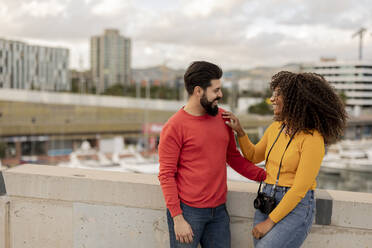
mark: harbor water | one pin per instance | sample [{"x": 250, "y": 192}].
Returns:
[{"x": 346, "y": 180}]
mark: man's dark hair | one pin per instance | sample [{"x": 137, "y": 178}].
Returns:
[
  {"x": 310, "y": 102},
  {"x": 200, "y": 73}
]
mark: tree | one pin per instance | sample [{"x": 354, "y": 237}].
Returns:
[
  {"x": 75, "y": 85},
  {"x": 3, "y": 148},
  {"x": 156, "y": 92},
  {"x": 114, "y": 90},
  {"x": 262, "y": 108},
  {"x": 343, "y": 97}
]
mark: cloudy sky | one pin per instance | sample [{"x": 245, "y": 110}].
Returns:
[{"x": 233, "y": 33}]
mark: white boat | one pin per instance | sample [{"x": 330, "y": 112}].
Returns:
[
  {"x": 348, "y": 156},
  {"x": 88, "y": 158}
]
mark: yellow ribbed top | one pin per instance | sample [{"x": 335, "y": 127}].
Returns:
[{"x": 300, "y": 166}]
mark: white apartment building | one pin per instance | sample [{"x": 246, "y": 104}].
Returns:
[
  {"x": 24, "y": 66},
  {"x": 110, "y": 56},
  {"x": 353, "y": 78}
]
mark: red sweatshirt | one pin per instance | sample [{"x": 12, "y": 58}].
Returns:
[{"x": 193, "y": 152}]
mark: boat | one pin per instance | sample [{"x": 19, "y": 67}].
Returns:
[{"x": 348, "y": 155}]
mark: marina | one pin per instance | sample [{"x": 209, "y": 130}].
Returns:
[{"x": 347, "y": 165}]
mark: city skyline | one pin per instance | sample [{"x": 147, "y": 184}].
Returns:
[
  {"x": 25, "y": 66},
  {"x": 110, "y": 59},
  {"x": 234, "y": 34}
]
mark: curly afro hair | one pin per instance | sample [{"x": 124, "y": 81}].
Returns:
[{"x": 310, "y": 103}]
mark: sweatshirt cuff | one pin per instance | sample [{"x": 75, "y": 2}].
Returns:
[
  {"x": 175, "y": 210},
  {"x": 274, "y": 218}
]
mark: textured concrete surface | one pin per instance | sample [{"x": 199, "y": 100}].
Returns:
[
  {"x": 3, "y": 221},
  {"x": 340, "y": 237},
  {"x": 82, "y": 185},
  {"x": 64, "y": 207},
  {"x": 97, "y": 226},
  {"x": 3, "y": 217},
  {"x": 40, "y": 223}
]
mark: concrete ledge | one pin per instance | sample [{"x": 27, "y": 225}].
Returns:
[
  {"x": 64, "y": 207},
  {"x": 350, "y": 209},
  {"x": 40, "y": 223},
  {"x": 83, "y": 185},
  {"x": 340, "y": 237},
  {"x": 3, "y": 221},
  {"x": 3, "y": 212},
  {"x": 2, "y": 183}
]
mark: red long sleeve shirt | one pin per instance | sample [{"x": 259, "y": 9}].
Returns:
[{"x": 193, "y": 152}]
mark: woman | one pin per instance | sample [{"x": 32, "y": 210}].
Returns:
[{"x": 308, "y": 115}]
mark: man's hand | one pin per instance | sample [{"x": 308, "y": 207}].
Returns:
[
  {"x": 233, "y": 122},
  {"x": 262, "y": 228},
  {"x": 182, "y": 230}
]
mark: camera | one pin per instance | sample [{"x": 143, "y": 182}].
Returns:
[{"x": 264, "y": 203}]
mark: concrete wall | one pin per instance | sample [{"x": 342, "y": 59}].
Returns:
[{"x": 48, "y": 206}]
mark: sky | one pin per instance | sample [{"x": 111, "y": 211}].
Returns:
[{"x": 235, "y": 34}]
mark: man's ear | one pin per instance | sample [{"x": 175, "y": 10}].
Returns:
[{"x": 198, "y": 91}]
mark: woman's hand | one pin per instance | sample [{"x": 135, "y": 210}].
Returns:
[
  {"x": 262, "y": 228},
  {"x": 233, "y": 122}
]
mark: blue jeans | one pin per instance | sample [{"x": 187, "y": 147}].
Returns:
[
  {"x": 292, "y": 230},
  {"x": 211, "y": 227}
]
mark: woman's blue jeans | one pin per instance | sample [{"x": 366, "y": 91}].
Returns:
[{"x": 293, "y": 229}]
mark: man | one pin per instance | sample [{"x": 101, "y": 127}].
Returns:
[{"x": 195, "y": 145}]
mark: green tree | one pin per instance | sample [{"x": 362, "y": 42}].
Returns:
[
  {"x": 75, "y": 85},
  {"x": 3, "y": 147},
  {"x": 343, "y": 96},
  {"x": 156, "y": 92},
  {"x": 115, "y": 90},
  {"x": 261, "y": 108}
]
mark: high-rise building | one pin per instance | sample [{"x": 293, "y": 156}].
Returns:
[
  {"x": 353, "y": 78},
  {"x": 110, "y": 56},
  {"x": 24, "y": 66}
]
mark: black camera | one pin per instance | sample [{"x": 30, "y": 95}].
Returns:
[{"x": 264, "y": 203}]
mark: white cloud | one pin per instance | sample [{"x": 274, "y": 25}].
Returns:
[
  {"x": 109, "y": 7},
  {"x": 4, "y": 11},
  {"x": 233, "y": 33},
  {"x": 204, "y": 8},
  {"x": 43, "y": 9}
]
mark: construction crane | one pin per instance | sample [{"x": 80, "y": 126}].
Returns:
[{"x": 360, "y": 33}]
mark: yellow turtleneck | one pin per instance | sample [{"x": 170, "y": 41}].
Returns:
[{"x": 300, "y": 166}]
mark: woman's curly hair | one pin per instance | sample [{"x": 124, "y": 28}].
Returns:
[{"x": 310, "y": 103}]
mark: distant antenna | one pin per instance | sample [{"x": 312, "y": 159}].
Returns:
[{"x": 360, "y": 33}]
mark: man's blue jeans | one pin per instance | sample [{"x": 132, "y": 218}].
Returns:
[{"x": 211, "y": 227}]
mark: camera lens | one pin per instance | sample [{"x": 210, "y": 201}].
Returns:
[{"x": 257, "y": 203}]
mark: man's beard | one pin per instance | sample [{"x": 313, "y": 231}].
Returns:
[{"x": 213, "y": 111}]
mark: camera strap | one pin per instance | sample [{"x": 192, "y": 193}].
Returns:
[
  {"x": 281, "y": 160},
  {"x": 268, "y": 154},
  {"x": 280, "y": 166}
]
